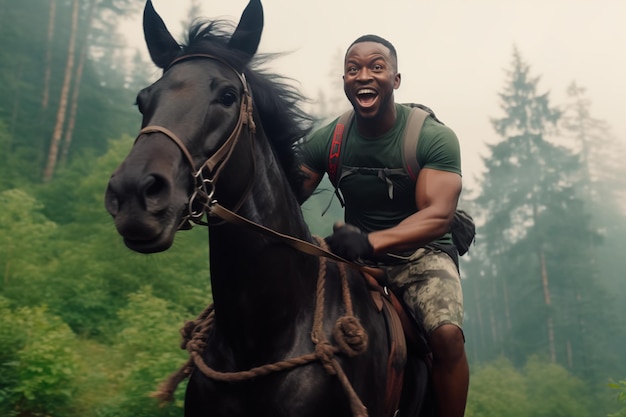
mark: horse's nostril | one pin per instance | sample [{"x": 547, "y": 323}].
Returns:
[
  {"x": 111, "y": 202},
  {"x": 156, "y": 192},
  {"x": 152, "y": 186}
]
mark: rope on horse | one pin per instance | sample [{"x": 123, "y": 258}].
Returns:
[{"x": 348, "y": 333}]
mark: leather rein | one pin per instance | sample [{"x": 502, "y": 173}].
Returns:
[{"x": 205, "y": 176}]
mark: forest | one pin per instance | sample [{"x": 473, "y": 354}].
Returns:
[{"x": 90, "y": 328}]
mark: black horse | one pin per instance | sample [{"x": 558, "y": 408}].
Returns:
[{"x": 271, "y": 345}]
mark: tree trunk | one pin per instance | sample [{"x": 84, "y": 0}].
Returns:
[
  {"x": 69, "y": 132},
  {"x": 45, "y": 99},
  {"x": 547, "y": 300},
  {"x": 63, "y": 102},
  {"x": 479, "y": 321},
  {"x": 15, "y": 111}
]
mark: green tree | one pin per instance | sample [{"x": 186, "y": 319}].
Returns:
[
  {"x": 557, "y": 393},
  {"x": 25, "y": 232},
  {"x": 540, "y": 388},
  {"x": 37, "y": 362},
  {"x": 497, "y": 389},
  {"x": 603, "y": 182},
  {"x": 44, "y": 100},
  {"x": 529, "y": 285},
  {"x": 97, "y": 271},
  {"x": 602, "y": 185},
  {"x": 144, "y": 364}
]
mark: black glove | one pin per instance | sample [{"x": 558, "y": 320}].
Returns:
[{"x": 349, "y": 242}]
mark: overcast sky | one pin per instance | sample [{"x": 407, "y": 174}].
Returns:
[{"x": 452, "y": 53}]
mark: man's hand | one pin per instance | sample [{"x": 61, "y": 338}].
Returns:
[{"x": 349, "y": 242}]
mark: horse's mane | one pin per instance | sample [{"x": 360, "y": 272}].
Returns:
[{"x": 278, "y": 103}]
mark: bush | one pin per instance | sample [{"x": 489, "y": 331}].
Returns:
[{"x": 37, "y": 361}]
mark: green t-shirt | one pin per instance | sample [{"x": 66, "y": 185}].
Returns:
[{"x": 377, "y": 196}]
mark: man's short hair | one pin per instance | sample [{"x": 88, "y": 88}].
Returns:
[{"x": 377, "y": 39}]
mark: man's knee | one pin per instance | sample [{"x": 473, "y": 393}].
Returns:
[{"x": 447, "y": 343}]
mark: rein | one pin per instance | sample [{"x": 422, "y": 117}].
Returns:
[
  {"x": 204, "y": 188},
  {"x": 348, "y": 333}
]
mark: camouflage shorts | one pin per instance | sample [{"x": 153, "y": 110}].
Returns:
[{"x": 430, "y": 284}]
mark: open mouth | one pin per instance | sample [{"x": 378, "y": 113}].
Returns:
[{"x": 366, "y": 97}]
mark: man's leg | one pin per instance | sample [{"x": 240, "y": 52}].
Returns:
[
  {"x": 431, "y": 285},
  {"x": 450, "y": 370}
]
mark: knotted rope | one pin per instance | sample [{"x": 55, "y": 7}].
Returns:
[{"x": 348, "y": 333}]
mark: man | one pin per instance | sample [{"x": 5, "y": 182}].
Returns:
[{"x": 391, "y": 217}]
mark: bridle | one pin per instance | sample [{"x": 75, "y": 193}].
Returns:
[{"x": 205, "y": 176}]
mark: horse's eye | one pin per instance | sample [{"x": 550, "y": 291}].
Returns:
[
  {"x": 228, "y": 98},
  {"x": 139, "y": 103}
]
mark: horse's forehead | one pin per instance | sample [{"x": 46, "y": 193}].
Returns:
[{"x": 201, "y": 70}]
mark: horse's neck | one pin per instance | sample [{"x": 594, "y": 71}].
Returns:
[{"x": 259, "y": 283}]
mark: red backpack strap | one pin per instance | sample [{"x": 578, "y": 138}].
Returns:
[
  {"x": 412, "y": 131},
  {"x": 343, "y": 124}
]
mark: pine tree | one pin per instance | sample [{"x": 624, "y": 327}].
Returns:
[
  {"x": 603, "y": 187},
  {"x": 530, "y": 269},
  {"x": 601, "y": 153}
]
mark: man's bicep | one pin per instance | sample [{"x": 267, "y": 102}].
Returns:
[{"x": 438, "y": 190}]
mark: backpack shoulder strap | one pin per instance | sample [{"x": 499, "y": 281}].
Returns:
[
  {"x": 411, "y": 135},
  {"x": 412, "y": 131},
  {"x": 334, "y": 155}
]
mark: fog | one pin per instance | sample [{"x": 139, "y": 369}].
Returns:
[{"x": 453, "y": 55}]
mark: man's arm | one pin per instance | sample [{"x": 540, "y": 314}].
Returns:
[
  {"x": 437, "y": 194},
  {"x": 310, "y": 183}
]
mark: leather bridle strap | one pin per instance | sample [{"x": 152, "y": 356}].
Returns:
[
  {"x": 299, "y": 244},
  {"x": 218, "y": 158},
  {"x": 173, "y": 137},
  {"x": 224, "y": 151}
]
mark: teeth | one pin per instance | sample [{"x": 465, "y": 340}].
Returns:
[{"x": 366, "y": 91}]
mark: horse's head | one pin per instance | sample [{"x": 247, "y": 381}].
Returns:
[{"x": 193, "y": 117}]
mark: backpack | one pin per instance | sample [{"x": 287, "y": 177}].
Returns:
[{"x": 462, "y": 227}]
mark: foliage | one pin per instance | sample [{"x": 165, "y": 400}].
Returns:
[
  {"x": 539, "y": 389},
  {"x": 603, "y": 181},
  {"x": 25, "y": 234},
  {"x": 620, "y": 387},
  {"x": 142, "y": 362},
  {"x": 497, "y": 389},
  {"x": 90, "y": 328},
  {"x": 33, "y": 67},
  {"x": 37, "y": 362},
  {"x": 75, "y": 276},
  {"x": 563, "y": 394},
  {"x": 528, "y": 282}
]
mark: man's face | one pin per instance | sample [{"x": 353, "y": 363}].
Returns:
[{"x": 370, "y": 76}]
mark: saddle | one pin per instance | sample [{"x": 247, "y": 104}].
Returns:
[{"x": 404, "y": 332}]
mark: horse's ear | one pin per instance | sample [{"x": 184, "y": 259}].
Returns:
[
  {"x": 162, "y": 46},
  {"x": 247, "y": 36}
]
